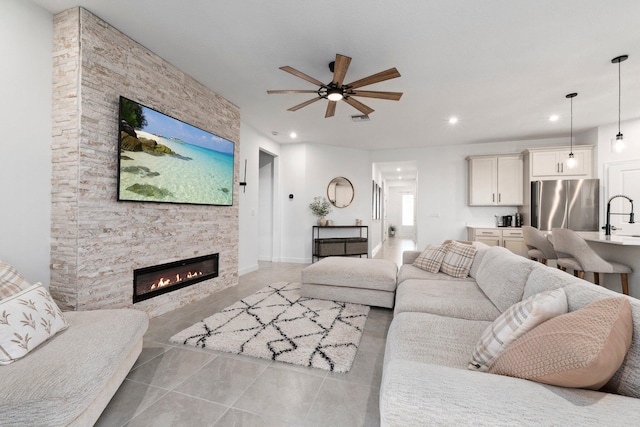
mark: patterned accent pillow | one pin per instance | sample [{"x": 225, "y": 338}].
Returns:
[
  {"x": 517, "y": 320},
  {"x": 431, "y": 258},
  {"x": 458, "y": 259},
  {"x": 27, "y": 319},
  {"x": 581, "y": 349},
  {"x": 11, "y": 282}
]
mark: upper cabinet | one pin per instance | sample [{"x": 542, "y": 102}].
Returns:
[
  {"x": 496, "y": 180},
  {"x": 551, "y": 163}
]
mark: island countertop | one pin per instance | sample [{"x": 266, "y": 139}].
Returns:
[{"x": 614, "y": 239}]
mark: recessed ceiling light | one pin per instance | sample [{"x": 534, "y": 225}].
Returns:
[
  {"x": 398, "y": 170},
  {"x": 399, "y": 177},
  {"x": 554, "y": 118},
  {"x": 453, "y": 120},
  {"x": 293, "y": 135}
]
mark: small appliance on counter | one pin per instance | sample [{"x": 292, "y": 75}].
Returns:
[{"x": 518, "y": 220}]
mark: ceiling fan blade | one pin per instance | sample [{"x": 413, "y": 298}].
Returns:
[
  {"x": 304, "y": 104},
  {"x": 358, "y": 105},
  {"x": 302, "y": 75},
  {"x": 392, "y": 96},
  {"x": 331, "y": 109},
  {"x": 271, "y": 92},
  {"x": 391, "y": 73},
  {"x": 340, "y": 68}
]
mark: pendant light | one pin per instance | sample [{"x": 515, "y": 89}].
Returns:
[
  {"x": 571, "y": 163},
  {"x": 618, "y": 145}
]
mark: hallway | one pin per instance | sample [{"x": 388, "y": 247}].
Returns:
[{"x": 393, "y": 247}]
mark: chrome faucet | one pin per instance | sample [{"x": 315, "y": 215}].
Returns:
[{"x": 607, "y": 227}]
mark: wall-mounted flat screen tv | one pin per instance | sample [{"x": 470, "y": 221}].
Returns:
[{"x": 162, "y": 159}]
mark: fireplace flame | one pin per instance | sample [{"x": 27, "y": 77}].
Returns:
[{"x": 166, "y": 282}]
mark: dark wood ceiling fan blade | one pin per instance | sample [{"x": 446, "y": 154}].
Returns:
[
  {"x": 392, "y": 96},
  {"x": 340, "y": 68},
  {"x": 331, "y": 109},
  {"x": 304, "y": 104},
  {"x": 271, "y": 92},
  {"x": 391, "y": 73},
  {"x": 302, "y": 75},
  {"x": 358, "y": 105}
]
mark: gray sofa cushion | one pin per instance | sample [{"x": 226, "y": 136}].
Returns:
[
  {"x": 59, "y": 380},
  {"x": 454, "y": 298},
  {"x": 408, "y": 272},
  {"x": 626, "y": 380},
  {"x": 502, "y": 276},
  {"x": 425, "y": 394},
  {"x": 547, "y": 279},
  {"x": 482, "y": 250},
  {"x": 378, "y": 274},
  {"x": 428, "y": 338}
]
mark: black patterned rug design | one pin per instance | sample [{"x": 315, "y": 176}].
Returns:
[{"x": 276, "y": 323}]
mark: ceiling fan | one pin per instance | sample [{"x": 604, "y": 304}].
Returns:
[{"x": 336, "y": 90}]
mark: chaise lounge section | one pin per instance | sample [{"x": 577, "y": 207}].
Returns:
[{"x": 438, "y": 322}]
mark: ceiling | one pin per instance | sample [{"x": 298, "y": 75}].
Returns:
[{"x": 501, "y": 66}]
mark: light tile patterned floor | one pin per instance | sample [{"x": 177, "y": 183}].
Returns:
[{"x": 173, "y": 385}]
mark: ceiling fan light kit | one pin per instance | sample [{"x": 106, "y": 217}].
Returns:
[{"x": 336, "y": 91}]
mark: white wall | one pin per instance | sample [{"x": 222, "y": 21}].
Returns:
[
  {"x": 251, "y": 142},
  {"x": 26, "y": 39}
]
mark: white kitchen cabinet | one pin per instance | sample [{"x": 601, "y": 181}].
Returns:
[
  {"x": 496, "y": 180},
  {"x": 510, "y": 238},
  {"x": 552, "y": 163}
]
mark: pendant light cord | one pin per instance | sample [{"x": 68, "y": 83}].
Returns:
[
  {"x": 619, "y": 96},
  {"x": 571, "y": 96}
]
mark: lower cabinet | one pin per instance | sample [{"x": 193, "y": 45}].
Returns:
[{"x": 510, "y": 238}]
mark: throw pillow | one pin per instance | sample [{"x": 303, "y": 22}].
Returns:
[
  {"x": 581, "y": 349},
  {"x": 431, "y": 258},
  {"x": 27, "y": 319},
  {"x": 517, "y": 320},
  {"x": 458, "y": 259},
  {"x": 11, "y": 282}
]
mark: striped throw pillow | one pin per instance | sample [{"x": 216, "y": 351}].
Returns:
[
  {"x": 517, "y": 320},
  {"x": 11, "y": 282},
  {"x": 431, "y": 258},
  {"x": 458, "y": 259}
]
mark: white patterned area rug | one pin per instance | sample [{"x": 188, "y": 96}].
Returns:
[{"x": 276, "y": 323}]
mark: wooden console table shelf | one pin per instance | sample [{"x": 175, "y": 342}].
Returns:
[{"x": 339, "y": 246}]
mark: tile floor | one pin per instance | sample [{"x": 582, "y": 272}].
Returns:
[{"x": 174, "y": 385}]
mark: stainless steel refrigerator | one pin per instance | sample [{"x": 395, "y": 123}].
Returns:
[{"x": 570, "y": 203}]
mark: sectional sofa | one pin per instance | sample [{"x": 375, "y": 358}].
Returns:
[
  {"x": 438, "y": 322},
  {"x": 69, "y": 378}
]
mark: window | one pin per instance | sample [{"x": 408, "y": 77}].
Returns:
[{"x": 407, "y": 209}]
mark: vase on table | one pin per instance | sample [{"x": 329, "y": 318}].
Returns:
[{"x": 322, "y": 221}]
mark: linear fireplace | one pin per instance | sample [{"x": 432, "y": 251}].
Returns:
[{"x": 156, "y": 280}]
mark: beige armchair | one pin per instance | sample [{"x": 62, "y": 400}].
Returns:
[
  {"x": 585, "y": 259},
  {"x": 539, "y": 246}
]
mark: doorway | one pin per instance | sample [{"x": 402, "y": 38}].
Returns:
[{"x": 265, "y": 206}]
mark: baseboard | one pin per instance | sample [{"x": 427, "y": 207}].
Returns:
[{"x": 246, "y": 270}]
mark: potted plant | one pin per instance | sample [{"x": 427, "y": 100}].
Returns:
[
  {"x": 320, "y": 207},
  {"x": 392, "y": 231}
]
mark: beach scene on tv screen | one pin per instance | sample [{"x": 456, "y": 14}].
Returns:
[{"x": 163, "y": 159}]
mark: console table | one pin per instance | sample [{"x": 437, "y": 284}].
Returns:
[{"x": 340, "y": 246}]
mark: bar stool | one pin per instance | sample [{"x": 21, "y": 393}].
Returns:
[
  {"x": 540, "y": 248},
  {"x": 586, "y": 259}
]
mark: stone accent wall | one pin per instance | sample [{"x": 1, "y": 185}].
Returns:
[{"x": 97, "y": 241}]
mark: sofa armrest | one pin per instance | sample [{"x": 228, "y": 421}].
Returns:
[
  {"x": 423, "y": 394},
  {"x": 409, "y": 256}
]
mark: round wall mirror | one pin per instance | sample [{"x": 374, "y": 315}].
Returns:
[{"x": 340, "y": 192}]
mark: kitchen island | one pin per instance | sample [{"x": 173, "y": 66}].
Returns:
[{"x": 621, "y": 248}]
